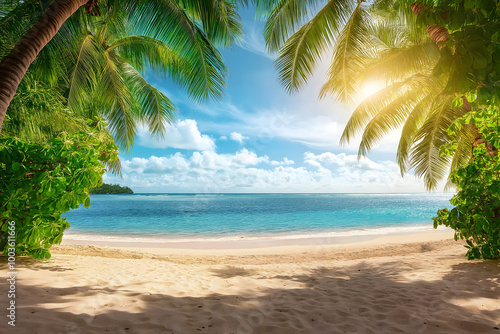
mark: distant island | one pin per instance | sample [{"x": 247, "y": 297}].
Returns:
[{"x": 110, "y": 189}]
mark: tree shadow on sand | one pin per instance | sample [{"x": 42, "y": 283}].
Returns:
[{"x": 361, "y": 298}]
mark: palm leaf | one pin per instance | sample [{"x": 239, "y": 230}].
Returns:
[
  {"x": 156, "y": 109},
  {"x": 145, "y": 52},
  {"x": 85, "y": 73},
  {"x": 168, "y": 22},
  {"x": 301, "y": 52},
  {"x": 286, "y": 16},
  {"x": 118, "y": 105},
  {"x": 389, "y": 118},
  {"x": 425, "y": 157},
  {"x": 349, "y": 59},
  {"x": 463, "y": 153},
  {"x": 399, "y": 63},
  {"x": 413, "y": 122},
  {"x": 371, "y": 106},
  {"x": 219, "y": 18}
]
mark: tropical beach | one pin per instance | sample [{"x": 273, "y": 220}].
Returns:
[
  {"x": 249, "y": 166},
  {"x": 400, "y": 284}
]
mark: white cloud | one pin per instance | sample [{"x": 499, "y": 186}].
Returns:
[
  {"x": 285, "y": 162},
  {"x": 223, "y": 138},
  {"x": 199, "y": 162},
  {"x": 183, "y": 134},
  {"x": 245, "y": 171},
  {"x": 238, "y": 137},
  {"x": 254, "y": 42},
  {"x": 343, "y": 160}
]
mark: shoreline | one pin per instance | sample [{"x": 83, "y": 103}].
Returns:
[{"x": 255, "y": 246}]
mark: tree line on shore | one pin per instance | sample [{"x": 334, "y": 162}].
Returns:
[{"x": 110, "y": 189}]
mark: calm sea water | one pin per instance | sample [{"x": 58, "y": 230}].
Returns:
[{"x": 182, "y": 216}]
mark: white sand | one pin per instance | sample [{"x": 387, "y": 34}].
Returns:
[{"x": 384, "y": 285}]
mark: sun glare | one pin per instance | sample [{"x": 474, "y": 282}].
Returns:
[{"x": 369, "y": 88}]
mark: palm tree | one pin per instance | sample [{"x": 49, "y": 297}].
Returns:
[
  {"x": 104, "y": 63},
  {"x": 385, "y": 49},
  {"x": 177, "y": 37},
  {"x": 413, "y": 100}
]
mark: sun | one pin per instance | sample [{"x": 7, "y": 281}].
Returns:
[{"x": 369, "y": 88}]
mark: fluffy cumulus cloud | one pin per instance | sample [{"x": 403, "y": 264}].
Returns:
[
  {"x": 198, "y": 163},
  {"x": 344, "y": 161},
  {"x": 238, "y": 137},
  {"x": 245, "y": 171},
  {"x": 183, "y": 134}
]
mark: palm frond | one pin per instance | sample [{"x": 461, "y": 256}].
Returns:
[
  {"x": 463, "y": 152},
  {"x": 389, "y": 118},
  {"x": 367, "y": 109},
  {"x": 371, "y": 106},
  {"x": 398, "y": 63},
  {"x": 395, "y": 11},
  {"x": 286, "y": 16},
  {"x": 425, "y": 157},
  {"x": 18, "y": 17},
  {"x": 299, "y": 55},
  {"x": 115, "y": 167},
  {"x": 46, "y": 67},
  {"x": 219, "y": 18},
  {"x": 171, "y": 24},
  {"x": 156, "y": 109},
  {"x": 144, "y": 52},
  {"x": 350, "y": 57},
  {"x": 116, "y": 102},
  {"x": 413, "y": 122},
  {"x": 85, "y": 72},
  {"x": 262, "y": 7}
]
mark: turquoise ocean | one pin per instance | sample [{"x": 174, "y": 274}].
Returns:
[{"x": 188, "y": 217}]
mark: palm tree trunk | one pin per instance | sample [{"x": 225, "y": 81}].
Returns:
[{"x": 14, "y": 66}]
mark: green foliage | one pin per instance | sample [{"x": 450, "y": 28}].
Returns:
[
  {"x": 38, "y": 112},
  {"x": 471, "y": 55},
  {"x": 39, "y": 182},
  {"x": 476, "y": 216},
  {"x": 111, "y": 189},
  {"x": 97, "y": 63},
  {"x": 373, "y": 43}
]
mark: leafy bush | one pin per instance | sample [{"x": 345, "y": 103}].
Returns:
[
  {"x": 476, "y": 215},
  {"x": 39, "y": 182}
]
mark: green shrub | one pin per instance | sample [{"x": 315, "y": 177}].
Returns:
[
  {"x": 476, "y": 216},
  {"x": 39, "y": 182}
]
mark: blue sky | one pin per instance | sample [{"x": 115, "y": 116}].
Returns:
[{"x": 258, "y": 138}]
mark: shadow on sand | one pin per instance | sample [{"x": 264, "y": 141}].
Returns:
[{"x": 361, "y": 298}]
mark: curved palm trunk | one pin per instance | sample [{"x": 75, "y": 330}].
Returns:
[{"x": 14, "y": 66}]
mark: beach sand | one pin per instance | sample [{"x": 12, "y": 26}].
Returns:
[{"x": 418, "y": 283}]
